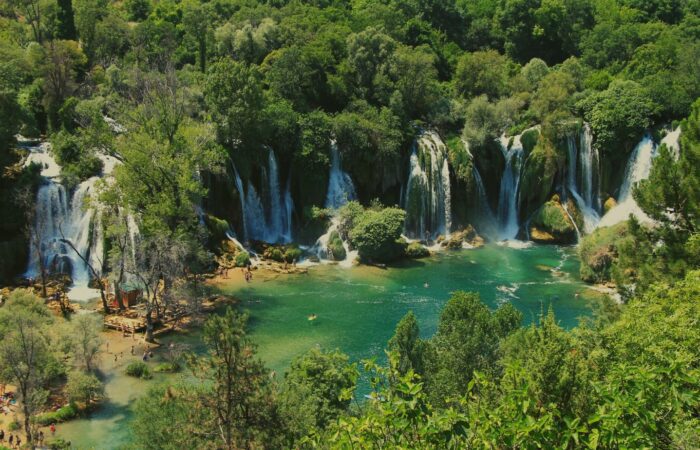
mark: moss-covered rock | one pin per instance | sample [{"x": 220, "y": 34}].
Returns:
[
  {"x": 336, "y": 247},
  {"x": 416, "y": 250},
  {"x": 599, "y": 252},
  {"x": 538, "y": 176},
  {"x": 552, "y": 225},
  {"x": 458, "y": 239}
]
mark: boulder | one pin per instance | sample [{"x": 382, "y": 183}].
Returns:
[
  {"x": 468, "y": 237},
  {"x": 552, "y": 224}
]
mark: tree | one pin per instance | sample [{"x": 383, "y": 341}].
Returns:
[
  {"x": 482, "y": 73},
  {"x": 25, "y": 352},
  {"x": 368, "y": 53},
  {"x": 85, "y": 340},
  {"x": 234, "y": 93},
  {"x": 407, "y": 345},
  {"x": 88, "y": 13},
  {"x": 63, "y": 61},
  {"x": 240, "y": 398},
  {"x": 31, "y": 12},
  {"x": 197, "y": 18},
  {"x": 323, "y": 382},
  {"x": 467, "y": 341},
  {"x": 619, "y": 115},
  {"x": 84, "y": 388}
]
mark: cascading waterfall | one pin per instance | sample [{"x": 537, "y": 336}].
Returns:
[
  {"x": 582, "y": 154},
  {"x": 428, "y": 198},
  {"x": 264, "y": 217},
  {"x": 482, "y": 200},
  {"x": 275, "y": 215},
  {"x": 638, "y": 167},
  {"x": 57, "y": 218},
  {"x": 510, "y": 182},
  {"x": 340, "y": 186}
]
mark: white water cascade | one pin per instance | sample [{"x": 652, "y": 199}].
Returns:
[
  {"x": 340, "y": 187},
  {"x": 510, "y": 183},
  {"x": 428, "y": 201},
  {"x": 268, "y": 217},
  {"x": 483, "y": 204},
  {"x": 582, "y": 177},
  {"x": 57, "y": 218},
  {"x": 638, "y": 167},
  {"x": 322, "y": 251}
]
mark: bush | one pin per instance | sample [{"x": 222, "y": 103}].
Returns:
[
  {"x": 138, "y": 369},
  {"x": 292, "y": 254},
  {"x": 14, "y": 426},
  {"x": 63, "y": 414},
  {"x": 60, "y": 444},
  {"x": 242, "y": 259},
  {"x": 377, "y": 235},
  {"x": 416, "y": 250},
  {"x": 274, "y": 253}
]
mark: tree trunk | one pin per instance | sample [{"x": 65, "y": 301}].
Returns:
[{"x": 149, "y": 325}]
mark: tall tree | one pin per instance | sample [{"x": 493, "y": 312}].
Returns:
[{"x": 25, "y": 352}]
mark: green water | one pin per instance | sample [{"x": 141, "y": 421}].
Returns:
[{"x": 357, "y": 311}]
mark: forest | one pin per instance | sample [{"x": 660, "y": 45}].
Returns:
[{"x": 151, "y": 146}]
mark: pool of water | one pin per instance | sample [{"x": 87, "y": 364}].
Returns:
[{"x": 357, "y": 310}]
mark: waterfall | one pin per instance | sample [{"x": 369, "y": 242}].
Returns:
[
  {"x": 638, "y": 167},
  {"x": 323, "y": 252},
  {"x": 427, "y": 198},
  {"x": 340, "y": 187},
  {"x": 482, "y": 198},
  {"x": 241, "y": 196},
  {"x": 510, "y": 182},
  {"x": 288, "y": 210},
  {"x": 57, "y": 218},
  {"x": 267, "y": 217},
  {"x": 587, "y": 198},
  {"x": 275, "y": 215},
  {"x": 255, "y": 215}
]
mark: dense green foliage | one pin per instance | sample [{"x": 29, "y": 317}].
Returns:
[
  {"x": 184, "y": 93},
  {"x": 376, "y": 234}
]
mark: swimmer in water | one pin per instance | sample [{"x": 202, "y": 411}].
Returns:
[{"x": 426, "y": 285}]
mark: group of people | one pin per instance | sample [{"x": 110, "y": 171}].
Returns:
[{"x": 15, "y": 441}]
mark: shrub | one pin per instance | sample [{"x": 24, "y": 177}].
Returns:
[
  {"x": 292, "y": 254},
  {"x": 138, "y": 369},
  {"x": 14, "y": 426},
  {"x": 599, "y": 252},
  {"x": 242, "y": 259},
  {"x": 168, "y": 367},
  {"x": 416, "y": 250},
  {"x": 274, "y": 254},
  {"x": 63, "y": 414}
]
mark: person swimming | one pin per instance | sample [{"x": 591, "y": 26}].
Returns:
[
  {"x": 426, "y": 285},
  {"x": 312, "y": 317}
]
